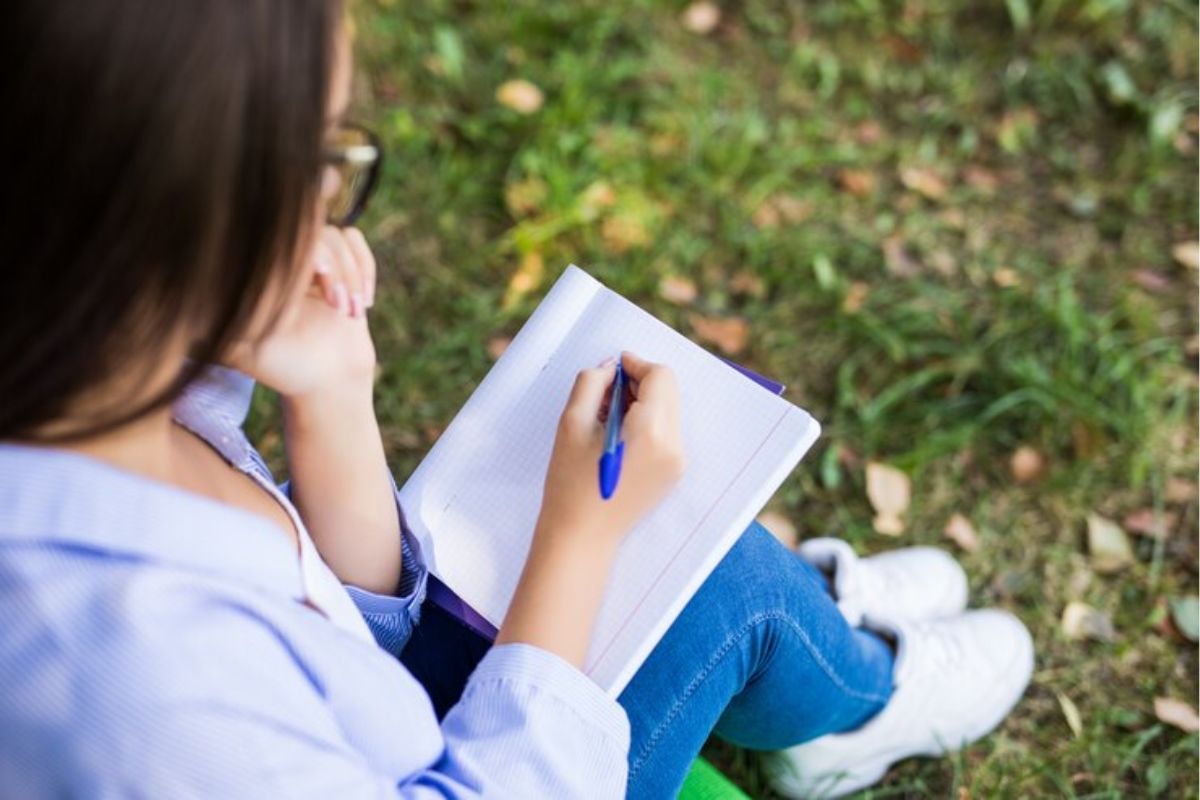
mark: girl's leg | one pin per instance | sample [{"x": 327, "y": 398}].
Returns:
[{"x": 762, "y": 656}]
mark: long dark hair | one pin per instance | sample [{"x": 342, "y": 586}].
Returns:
[{"x": 162, "y": 161}]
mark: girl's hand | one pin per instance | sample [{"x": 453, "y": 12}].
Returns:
[
  {"x": 652, "y": 462},
  {"x": 323, "y": 345}
]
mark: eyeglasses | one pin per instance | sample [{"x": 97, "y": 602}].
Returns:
[{"x": 356, "y": 154}]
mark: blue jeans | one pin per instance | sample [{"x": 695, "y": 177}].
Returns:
[{"x": 761, "y": 656}]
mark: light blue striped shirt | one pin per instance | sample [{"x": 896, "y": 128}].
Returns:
[{"x": 153, "y": 645}]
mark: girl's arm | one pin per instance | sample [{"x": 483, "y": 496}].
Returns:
[
  {"x": 577, "y": 533},
  {"x": 341, "y": 486},
  {"x": 320, "y": 359}
]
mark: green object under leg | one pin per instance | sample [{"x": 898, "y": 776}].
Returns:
[{"x": 705, "y": 782}]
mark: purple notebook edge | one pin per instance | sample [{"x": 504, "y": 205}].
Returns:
[{"x": 445, "y": 597}]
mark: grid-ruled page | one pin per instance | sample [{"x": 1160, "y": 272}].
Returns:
[{"x": 741, "y": 441}]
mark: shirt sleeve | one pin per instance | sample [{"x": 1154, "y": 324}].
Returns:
[
  {"x": 536, "y": 726},
  {"x": 391, "y": 617},
  {"x": 230, "y": 711}
]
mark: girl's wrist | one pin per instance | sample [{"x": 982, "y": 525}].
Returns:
[
  {"x": 341, "y": 407},
  {"x": 574, "y": 541}
]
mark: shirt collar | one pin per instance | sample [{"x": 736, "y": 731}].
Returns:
[{"x": 214, "y": 406}]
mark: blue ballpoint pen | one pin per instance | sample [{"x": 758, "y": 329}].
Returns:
[{"x": 610, "y": 461}]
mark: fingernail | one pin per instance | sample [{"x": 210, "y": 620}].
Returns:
[
  {"x": 607, "y": 361},
  {"x": 339, "y": 291},
  {"x": 356, "y": 305}
]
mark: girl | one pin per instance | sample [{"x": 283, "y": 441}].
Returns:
[{"x": 175, "y": 226}]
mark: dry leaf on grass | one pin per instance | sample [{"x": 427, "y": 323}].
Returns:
[
  {"x": 1108, "y": 545},
  {"x": 1080, "y": 621},
  {"x": 1179, "y": 490},
  {"x": 856, "y": 295},
  {"x": 766, "y": 216},
  {"x": 496, "y": 346},
  {"x": 729, "y": 334},
  {"x": 1187, "y": 254},
  {"x": 857, "y": 182},
  {"x": 960, "y": 531},
  {"x": 923, "y": 181},
  {"x": 1006, "y": 278},
  {"x": 780, "y": 527},
  {"x": 701, "y": 17},
  {"x": 980, "y": 178},
  {"x": 1144, "y": 522},
  {"x": 520, "y": 95},
  {"x": 746, "y": 282},
  {"x": 677, "y": 289},
  {"x": 1152, "y": 281},
  {"x": 1185, "y": 614},
  {"x": 1071, "y": 714},
  {"x": 1177, "y": 713},
  {"x": 1026, "y": 464},
  {"x": 890, "y": 493},
  {"x": 526, "y": 278},
  {"x": 868, "y": 132},
  {"x": 624, "y": 231},
  {"x": 525, "y": 196}
]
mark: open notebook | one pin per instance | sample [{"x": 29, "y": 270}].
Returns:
[{"x": 473, "y": 501}]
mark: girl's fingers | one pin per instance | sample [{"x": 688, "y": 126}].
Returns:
[
  {"x": 366, "y": 261},
  {"x": 326, "y": 273},
  {"x": 350, "y": 272}
]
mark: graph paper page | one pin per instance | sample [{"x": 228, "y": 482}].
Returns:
[{"x": 474, "y": 499}]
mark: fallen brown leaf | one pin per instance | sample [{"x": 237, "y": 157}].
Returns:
[
  {"x": 526, "y": 278},
  {"x": 1152, "y": 281},
  {"x": 980, "y": 178},
  {"x": 766, "y": 216},
  {"x": 793, "y": 209},
  {"x": 1071, "y": 714},
  {"x": 496, "y": 346},
  {"x": 1080, "y": 621},
  {"x": 924, "y": 181},
  {"x": 1145, "y": 522},
  {"x": 622, "y": 232},
  {"x": 525, "y": 196},
  {"x": 1179, "y": 490},
  {"x": 960, "y": 531},
  {"x": 729, "y": 334},
  {"x": 1177, "y": 713},
  {"x": 856, "y": 295},
  {"x": 520, "y": 95},
  {"x": 1187, "y": 254},
  {"x": 890, "y": 491},
  {"x": 780, "y": 527},
  {"x": 746, "y": 282},
  {"x": 868, "y": 132},
  {"x": 701, "y": 17},
  {"x": 857, "y": 182},
  {"x": 677, "y": 289},
  {"x": 1026, "y": 464},
  {"x": 1108, "y": 546},
  {"x": 1006, "y": 278}
]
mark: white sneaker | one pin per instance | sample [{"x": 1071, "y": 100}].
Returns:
[
  {"x": 910, "y": 583},
  {"x": 955, "y": 680}
]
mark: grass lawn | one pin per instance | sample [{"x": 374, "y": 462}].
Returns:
[{"x": 953, "y": 229}]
